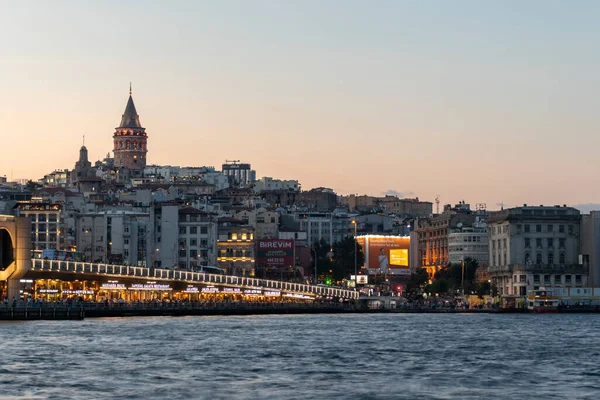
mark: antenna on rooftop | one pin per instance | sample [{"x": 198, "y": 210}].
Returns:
[{"x": 437, "y": 204}]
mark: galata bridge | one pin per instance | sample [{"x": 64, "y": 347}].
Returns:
[{"x": 55, "y": 278}]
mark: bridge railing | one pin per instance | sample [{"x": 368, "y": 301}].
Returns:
[{"x": 76, "y": 267}]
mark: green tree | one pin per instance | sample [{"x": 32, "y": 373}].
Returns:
[
  {"x": 452, "y": 274},
  {"x": 417, "y": 280},
  {"x": 343, "y": 256},
  {"x": 32, "y": 186},
  {"x": 484, "y": 289}
]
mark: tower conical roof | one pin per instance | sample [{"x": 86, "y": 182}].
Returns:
[{"x": 130, "y": 118}]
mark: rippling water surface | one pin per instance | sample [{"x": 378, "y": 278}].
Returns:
[{"x": 412, "y": 356}]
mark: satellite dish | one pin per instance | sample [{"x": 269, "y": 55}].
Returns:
[{"x": 459, "y": 225}]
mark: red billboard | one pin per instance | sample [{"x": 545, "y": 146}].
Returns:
[
  {"x": 385, "y": 254},
  {"x": 275, "y": 252}
]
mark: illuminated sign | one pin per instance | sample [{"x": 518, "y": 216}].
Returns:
[
  {"x": 149, "y": 286},
  {"x": 252, "y": 292},
  {"x": 210, "y": 289},
  {"x": 112, "y": 286},
  {"x": 233, "y": 290},
  {"x": 399, "y": 257},
  {"x": 273, "y": 293},
  {"x": 297, "y": 296},
  {"x": 49, "y": 291},
  {"x": 78, "y": 292},
  {"x": 385, "y": 254},
  {"x": 275, "y": 252},
  {"x": 362, "y": 279},
  {"x": 191, "y": 289}
]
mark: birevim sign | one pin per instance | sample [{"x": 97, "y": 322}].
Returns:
[{"x": 275, "y": 252}]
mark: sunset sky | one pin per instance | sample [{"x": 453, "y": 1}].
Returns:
[{"x": 486, "y": 101}]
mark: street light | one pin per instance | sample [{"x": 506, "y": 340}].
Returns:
[
  {"x": 316, "y": 276},
  {"x": 355, "y": 252}
]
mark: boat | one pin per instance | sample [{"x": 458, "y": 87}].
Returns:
[{"x": 542, "y": 301}]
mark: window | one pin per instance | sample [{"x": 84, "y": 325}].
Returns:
[
  {"x": 41, "y": 217},
  {"x": 538, "y": 258},
  {"x": 538, "y": 228},
  {"x": 561, "y": 243},
  {"x": 203, "y": 230},
  {"x": 527, "y": 259},
  {"x": 272, "y": 220},
  {"x": 518, "y": 228},
  {"x": 126, "y": 253},
  {"x": 561, "y": 229},
  {"x": 494, "y": 244},
  {"x": 538, "y": 243},
  {"x": 193, "y": 253},
  {"x": 567, "y": 279},
  {"x": 182, "y": 253},
  {"x": 550, "y": 259},
  {"x": 193, "y": 230},
  {"x": 536, "y": 279},
  {"x": 182, "y": 230},
  {"x": 570, "y": 229},
  {"x": 550, "y": 227},
  {"x": 526, "y": 228},
  {"x": 547, "y": 279},
  {"x": 562, "y": 259},
  {"x": 203, "y": 253},
  {"x": 234, "y": 236},
  {"x": 527, "y": 243},
  {"x": 578, "y": 279},
  {"x": 550, "y": 243},
  {"x": 203, "y": 242},
  {"x": 126, "y": 229},
  {"x": 523, "y": 278},
  {"x": 557, "y": 279},
  {"x": 193, "y": 242},
  {"x": 504, "y": 240},
  {"x": 260, "y": 220},
  {"x": 125, "y": 241}
]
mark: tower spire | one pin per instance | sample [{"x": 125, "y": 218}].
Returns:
[
  {"x": 84, "y": 140},
  {"x": 130, "y": 88}
]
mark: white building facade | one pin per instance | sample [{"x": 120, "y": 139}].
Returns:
[{"x": 531, "y": 247}]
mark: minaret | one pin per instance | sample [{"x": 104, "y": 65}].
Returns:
[{"x": 130, "y": 139}]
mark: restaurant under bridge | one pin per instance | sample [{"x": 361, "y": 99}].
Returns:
[{"x": 54, "y": 280}]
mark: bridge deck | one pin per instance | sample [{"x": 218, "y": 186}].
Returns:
[{"x": 144, "y": 274}]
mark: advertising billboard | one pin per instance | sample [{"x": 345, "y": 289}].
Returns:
[
  {"x": 386, "y": 254},
  {"x": 275, "y": 252}
]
